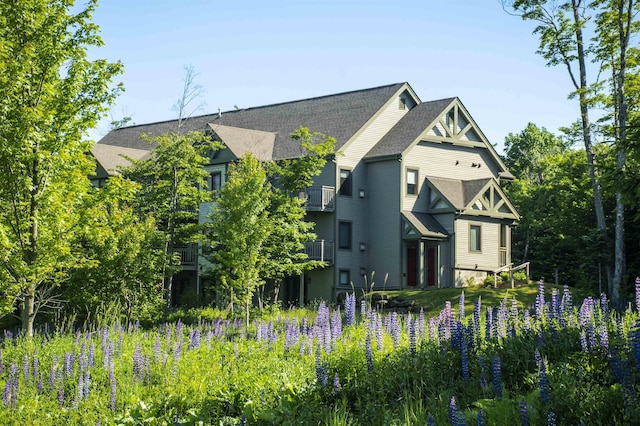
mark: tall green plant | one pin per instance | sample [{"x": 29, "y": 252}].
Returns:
[{"x": 50, "y": 95}]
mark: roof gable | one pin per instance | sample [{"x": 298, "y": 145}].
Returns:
[
  {"x": 479, "y": 197},
  {"x": 417, "y": 225},
  {"x": 242, "y": 141},
  {"x": 113, "y": 158}
]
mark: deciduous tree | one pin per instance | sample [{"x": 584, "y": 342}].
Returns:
[{"x": 50, "y": 95}]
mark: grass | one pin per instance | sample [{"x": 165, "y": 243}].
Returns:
[{"x": 432, "y": 301}]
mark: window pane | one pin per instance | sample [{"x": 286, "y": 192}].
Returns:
[
  {"x": 216, "y": 180},
  {"x": 344, "y": 235},
  {"x": 412, "y": 180},
  {"x": 345, "y": 182},
  {"x": 345, "y": 278},
  {"x": 474, "y": 238}
]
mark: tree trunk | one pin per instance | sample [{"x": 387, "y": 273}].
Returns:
[
  {"x": 586, "y": 133},
  {"x": 28, "y": 315}
]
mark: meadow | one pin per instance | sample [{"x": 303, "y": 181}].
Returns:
[{"x": 555, "y": 361}]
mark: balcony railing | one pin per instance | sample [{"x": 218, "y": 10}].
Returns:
[
  {"x": 320, "y": 250},
  {"x": 320, "y": 198},
  {"x": 188, "y": 255},
  {"x": 503, "y": 256}
]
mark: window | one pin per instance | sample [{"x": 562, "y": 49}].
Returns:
[
  {"x": 345, "y": 182},
  {"x": 344, "y": 235},
  {"x": 412, "y": 182},
  {"x": 475, "y": 238},
  {"x": 215, "y": 181},
  {"x": 344, "y": 277}
]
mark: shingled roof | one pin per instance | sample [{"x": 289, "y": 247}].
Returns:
[
  {"x": 409, "y": 128},
  {"x": 340, "y": 116}
]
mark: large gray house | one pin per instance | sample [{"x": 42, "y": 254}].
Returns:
[{"x": 414, "y": 194}]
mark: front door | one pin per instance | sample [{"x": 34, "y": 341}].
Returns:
[
  {"x": 412, "y": 264},
  {"x": 432, "y": 267}
]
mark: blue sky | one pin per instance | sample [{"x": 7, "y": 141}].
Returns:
[{"x": 258, "y": 53}]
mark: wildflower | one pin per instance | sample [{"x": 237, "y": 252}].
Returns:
[
  {"x": 80, "y": 386},
  {"x": 524, "y": 413},
  {"x": 9, "y": 386},
  {"x": 551, "y": 419},
  {"x": 483, "y": 379},
  {"x": 497, "y": 376},
  {"x": 638, "y": 293},
  {"x": 363, "y": 309},
  {"x": 52, "y": 373},
  {"x": 92, "y": 355},
  {"x": 544, "y": 383},
  {"x": 453, "y": 412},
  {"x": 368, "y": 353},
  {"x": 431, "y": 421},
  {"x": 87, "y": 382},
  {"x": 465, "y": 362},
  {"x": 412, "y": 337},
  {"x": 540, "y": 299},
  {"x": 68, "y": 363},
  {"x": 461, "y": 305},
  {"x": 26, "y": 368},
  {"x": 350, "y": 309},
  {"x": 480, "y": 418},
  {"x": 112, "y": 382},
  {"x": 336, "y": 384},
  {"x": 138, "y": 363},
  {"x": 60, "y": 394}
]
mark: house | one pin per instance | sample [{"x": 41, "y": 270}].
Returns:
[{"x": 414, "y": 194}]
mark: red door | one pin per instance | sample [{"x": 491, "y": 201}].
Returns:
[
  {"x": 431, "y": 266},
  {"x": 412, "y": 265}
]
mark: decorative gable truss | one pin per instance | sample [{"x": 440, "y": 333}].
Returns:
[
  {"x": 456, "y": 126},
  {"x": 492, "y": 202}
]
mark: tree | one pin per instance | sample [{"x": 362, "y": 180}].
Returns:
[
  {"x": 284, "y": 249},
  {"x": 174, "y": 180},
  {"x": 276, "y": 208},
  {"x": 562, "y": 26},
  {"x": 50, "y": 95},
  {"x": 239, "y": 229},
  {"x": 126, "y": 252},
  {"x": 174, "y": 183}
]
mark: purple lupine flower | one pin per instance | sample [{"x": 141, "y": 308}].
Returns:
[
  {"x": 567, "y": 301},
  {"x": 540, "y": 299},
  {"x": 524, "y": 413},
  {"x": 60, "y": 393},
  {"x": 336, "y": 383},
  {"x": 119, "y": 351},
  {"x": 637, "y": 293},
  {"x": 537, "y": 357},
  {"x": 433, "y": 329},
  {"x": 604, "y": 337},
  {"x": 421, "y": 322},
  {"x": 195, "y": 339},
  {"x": 604, "y": 306},
  {"x": 412, "y": 336},
  {"x": 87, "y": 384},
  {"x": 481, "y": 364},
  {"x": 36, "y": 366},
  {"x": 8, "y": 386},
  {"x": 105, "y": 339},
  {"x": 137, "y": 363},
  {"x": 26, "y": 368},
  {"x": 40, "y": 385},
  {"x": 368, "y": 353},
  {"x": 453, "y": 411},
  {"x": 544, "y": 384},
  {"x": 431, "y": 421},
  {"x": 526, "y": 320},
  {"x": 488, "y": 324},
  {"x": 465, "y": 361},
  {"x": 551, "y": 419},
  {"x": 480, "y": 420},
  {"x": 52, "y": 373},
  {"x": 583, "y": 341},
  {"x": 379, "y": 335},
  {"x": 497, "y": 376},
  {"x": 336, "y": 325},
  {"x": 461, "y": 305},
  {"x": 112, "y": 382},
  {"x": 157, "y": 348},
  {"x": 92, "y": 355},
  {"x": 68, "y": 363},
  {"x": 363, "y": 309},
  {"x": 80, "y": 386},
  {"x": 350, "y": 309}
]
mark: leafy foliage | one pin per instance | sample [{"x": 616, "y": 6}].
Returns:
[{"x": 50, "y": 95}]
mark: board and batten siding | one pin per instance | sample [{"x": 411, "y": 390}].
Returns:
[{"x": 385, "y": 240}]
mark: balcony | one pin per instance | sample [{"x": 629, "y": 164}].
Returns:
[
  {"x": 188, "y": 256},
  {"x": 320, "y": 250},
  {"x": 320, "y": 198}
]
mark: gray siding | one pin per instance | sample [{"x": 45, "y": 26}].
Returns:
[
  {"x": 488, "y": 258},
  {"x": 384, "y": 248}
]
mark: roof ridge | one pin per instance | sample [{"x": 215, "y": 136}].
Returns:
[{"x": 214, "y": 114}]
